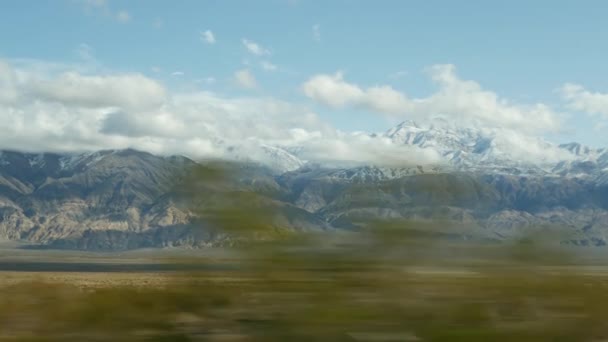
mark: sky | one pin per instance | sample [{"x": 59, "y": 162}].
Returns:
[{"x": 188, "y": 76}]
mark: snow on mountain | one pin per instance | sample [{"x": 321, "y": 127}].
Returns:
[
  {"x": 499, "y": 151},
  {"x": 588, "y": 162},
  {"x": 280, "y": 159},
  {"x": 491, "y": 151},
  {"x": 274, "y": 157},
  {"x": 461, "y": 149},
  {"x": 3, "y": 160},
  {"x": 71, "y": 161},
  {"x": 367, "y": 174}
]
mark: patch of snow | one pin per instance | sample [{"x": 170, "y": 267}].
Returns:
[{"x": 37, "y": 160}]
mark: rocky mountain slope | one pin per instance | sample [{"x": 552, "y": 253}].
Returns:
[
  {"x": 112, "y": 200},
  {"x": 487, "y": 206},
  {"x": 51, "y": 198}
]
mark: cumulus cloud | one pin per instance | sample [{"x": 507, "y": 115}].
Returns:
[
  {"x": 72, "y": 111},
  {"x": 528, "y": 149},
  {"x": 159, "y": 124},
  {"x": 352, "y": 149},
  {"x": 255, "y": 48},
  {"x": 66, "y": 111},
  {"x": 245, "y": 79},
  {"x": 580, "y": 99},
  {"x": 133, "y": 91},
  {"x": 208, "y": 37},
  {"x": 333, "y": 91},
  {"x": 461, "y": 100}
]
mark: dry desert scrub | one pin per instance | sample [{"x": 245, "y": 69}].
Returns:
[{"x": 391, "y": 281}]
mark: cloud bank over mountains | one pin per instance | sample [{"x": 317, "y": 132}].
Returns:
[
  {"x": 456, "y": 99},
  {"x": 72, "y": 110}
]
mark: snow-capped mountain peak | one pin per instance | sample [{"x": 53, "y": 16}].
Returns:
[{"x": 485, "y": 149}]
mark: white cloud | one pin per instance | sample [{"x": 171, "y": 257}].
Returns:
[
  {"x": 70, "y": 111},
  {"x": 208, "y": 37},
  {"x": 351, "y": 149},
  {"x": 528, "y": 149},
  {"x": 316, "y": 32},
  {"x": 76, "y": 111},
  {"x": 132, "y": 91},
  {"x": 123, "y": 16},
  {"x": 459, "y": 100},
  {"x": 333, "y": 91},
  {"x": 268, "y": 66},
  {"x": 177, "y": 73},
  {"x": 245, "y": 79},
  {"x": 580, "y": 99},
  {"x": 46, "y": 108},
  {"x": 255, "y": 48}
]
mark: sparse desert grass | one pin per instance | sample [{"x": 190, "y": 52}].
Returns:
[
  {"x": 325, "y": 294},
  {"x": 87, "y": 280}
]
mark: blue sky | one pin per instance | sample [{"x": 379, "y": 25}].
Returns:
[{"x": 521, "y": 52}]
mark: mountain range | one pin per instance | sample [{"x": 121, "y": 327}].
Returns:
[{"x": 481, "y": 187}]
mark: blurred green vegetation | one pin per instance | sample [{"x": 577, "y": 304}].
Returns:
[{"x": 388, "y": 281}]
